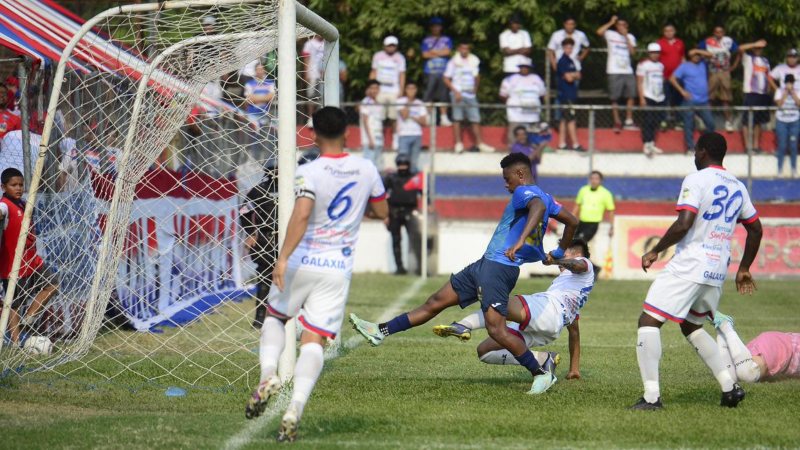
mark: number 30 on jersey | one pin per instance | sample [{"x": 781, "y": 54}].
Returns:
[{"x": 725, "y": 205}]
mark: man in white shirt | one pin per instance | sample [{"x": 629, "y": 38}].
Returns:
[
  {"x": 389, "y": 68},
  {"x": 779, "y": 72},
  {"x": 755, "y": 86},
  {"x": 621, "y": 80},
  {"x": 712, "y": 201},
  {"x": 580, "y": 48},
  {"x": 650, "y": 81},
  {"x": 462, "y": 78},
  {"x": 370, "y": 114},
  {"x": 313, "y": 55},
  {"x": 516, "y": 46},
  {"x": 311, "y": 278},
  {"x": 522, "y": 93},
  {"x": 412, "y": 115}
]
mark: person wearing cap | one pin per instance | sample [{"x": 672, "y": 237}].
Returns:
[
  {"x": 412, "y": 115},
  {"x": 720, "y": 67},
  {"x": 522, "y": 93},
  {"x": 650, "y": 81},
  {"x": 313, "y": 59},
  {"x": 436, "y": 50},
  {"x": 515, "y": 45},
  {"x": 389, "y": 68},
  {"x": 777, "y": 75},
  {"x": 402, "y": 211},
  {"x": 691, "y": 80},
  {"x": 755, "y": 86},
  {"x": 568, "y": 74},
  {"x": 8, "y": 120},
  {"x": 580, "y": 44},
  {"x": 787, "y": 122},
  {"x": 621, "y": 80},
  {"x": 462, "y": 77},
  {"x": 673, "y": 53}
]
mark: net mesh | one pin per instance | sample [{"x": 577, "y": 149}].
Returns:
[{"x": 156, "y": 207}]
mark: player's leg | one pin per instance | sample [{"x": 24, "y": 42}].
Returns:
[
  {"x": 725, "y": 352},
  {"x": 490, "y": 352},
  {"x": 707, "y": 300},
  {"x": 462, "y": 329},
  {"x": 743, "y": 365}
]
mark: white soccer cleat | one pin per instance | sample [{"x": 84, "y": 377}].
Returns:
[
  {"x": 258, "y": 401},
  {"x": 542, "y": 383},
  {"x": 289, "y": 425},
  {"x": 369, "y": 330}
]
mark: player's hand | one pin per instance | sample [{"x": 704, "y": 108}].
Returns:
[
  {"x": 511, "y": 252},
  {"x": 573, "y": 375},
  {"x": 745, "y": 283},
  {"x": 648, "y": 259},
  {"x": 279, "y": 273},
  {"x": 549, "y": 260}
]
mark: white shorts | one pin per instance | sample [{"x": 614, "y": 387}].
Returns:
[
  {"x": 676, "y": 299},
  {"x": 544, "y": 322},
  {"x": 321, "y": 296}
]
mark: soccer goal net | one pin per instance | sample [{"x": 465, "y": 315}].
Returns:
[{"x": 154, "y": 198}]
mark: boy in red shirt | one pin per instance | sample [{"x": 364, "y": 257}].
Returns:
[{"x": 34, "y": 276}]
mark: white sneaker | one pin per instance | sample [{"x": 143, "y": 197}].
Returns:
[
  {"x": 655, "y": 150},
  {"x": 485, "y": 148},
  {"x": 289, "y": 424},
  {"x": 459, "y": 148},
  {"x": 648, "y": 149},
  {"x": 729, "y": 126},
  {"x": 445, "y": 122},
  {"x": 629, "y": 125}
]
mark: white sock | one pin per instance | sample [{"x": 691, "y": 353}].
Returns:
[
  {"x": 648, "y": 353},
  {"x": 709, "y": 353},
  {"x": 745, "y": 368},
  {"x": 504, "y": 357},
  {"x": 473, "y": 321},
  {"x": 725, "y": 352},
  {"x": 273, "y": 335},
  {"x": 306, "y": 372}
]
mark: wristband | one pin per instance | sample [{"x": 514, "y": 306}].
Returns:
[{"x": 558, "y": 253}]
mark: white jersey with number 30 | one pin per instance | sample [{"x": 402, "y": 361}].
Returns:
[
  {"x": 341, "y": 186},
  {"x": 720, "y": 201}
]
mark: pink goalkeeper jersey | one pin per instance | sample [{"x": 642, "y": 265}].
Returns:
[{"x": 781, "y": 352}]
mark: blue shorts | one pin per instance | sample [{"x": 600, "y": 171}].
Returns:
[{"x": 486, "y": 281}]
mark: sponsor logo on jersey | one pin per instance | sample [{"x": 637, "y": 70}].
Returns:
[
  {"x": 342, "y": 173},
  {"x": 325, "y": 263},
  {"x": 347, "y": 251},
  {"x": 714, "y": 276}
]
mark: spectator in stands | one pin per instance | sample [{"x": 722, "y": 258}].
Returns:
[
  {"x": 580, "y": 44},
  {"x": 313, "y": 55},
  {"x": 259, "y": 93},
  {"x": 8, "y": 120},
  {"x": 787, "y": 122},
  {"x": 436, "y": 50},
  {"x": 12, "y": 84},
  {"x": 621, "y": 80},
  {"x": 389, "y": 68},
  {"x": 778, "y": 74},
  {"x": 371, "y": 120},
  {"x": 402, "y": 201},
  {"x": 756, "y": 91},
  {"x": 691, "y": 80},
  {"x": 515, "y": 45},
  {"x": 462, "y": 77},
  {"x": 672, "y": 55},
  {"x": 591, "y": 205},
  {"x": 412, "y": 116},
  {"x": 569, "y": 74},
  {"x": 719, "y": 80},
  {"x": 212, "y": 92},
  {"x": 650, "y": 80},
  {"x": 522, "y": 144},
  {"x": 522, "y": 93}
]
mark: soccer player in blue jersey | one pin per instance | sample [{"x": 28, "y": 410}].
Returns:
[{"x": 516, "y": 240}]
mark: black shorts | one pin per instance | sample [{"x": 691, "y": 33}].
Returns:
[
  {"x": 586, "y": 230},
  {"x": 486, "y": 281},
  {"x": 759, "y": 117},
  {"x": 435, "y": 89},
  {"x": 28, "y": 287}
]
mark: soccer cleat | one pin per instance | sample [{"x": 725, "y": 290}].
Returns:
[
  {"x": 454, "y": 329},
  {"x": 258, "y": 401},
  {"x": 644, "y": 405},
  {"x": 720, "y": 318},
  {"x": 552, "y": 361},
  {"x": 732, "y": 397},
  {"x": 289, "y": 424},
  {"x": 369, "y": 330},
  {"x": 543, "y": 382}
]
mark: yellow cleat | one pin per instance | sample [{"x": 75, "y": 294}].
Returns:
[{"x": 454, "y": 329}]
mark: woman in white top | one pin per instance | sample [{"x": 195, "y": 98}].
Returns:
[{"x": 787, "y": 123}]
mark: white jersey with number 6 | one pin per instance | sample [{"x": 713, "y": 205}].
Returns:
[
  {"x": 341, "y": 186},
  {"x": 720, "y": 201}
]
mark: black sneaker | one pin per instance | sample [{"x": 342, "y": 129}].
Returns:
[
  {"x": 261, "y": 313},
  {"x": 401, "y": 271},
  {"x": 732, "y": 397},
  {"x": 644, "y": 405}
]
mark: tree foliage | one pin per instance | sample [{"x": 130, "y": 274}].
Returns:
[{"x": 364, "y": 23}]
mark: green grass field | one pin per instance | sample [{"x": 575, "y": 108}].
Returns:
[{"x": 421, "y": 391}]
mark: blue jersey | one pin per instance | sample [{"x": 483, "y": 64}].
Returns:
[{"x": 512, "y": 223}]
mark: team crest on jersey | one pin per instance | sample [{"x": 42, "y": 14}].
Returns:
[
  {"x": 685, "y": 193},
  {"x": 347, "y": 251}
]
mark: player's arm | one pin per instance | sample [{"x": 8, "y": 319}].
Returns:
[
  {"x": 378, "y": 210},
  {"x": 744, "y": 280},
  {"x": 674, "y": 234},
  {"x": 298, "y": 224},
  {"x": 536, "y": 211},
  {"x": 574, "y": 265},
  {"x": 574, "y": 351},
  {"x": 570, "y": 226}
]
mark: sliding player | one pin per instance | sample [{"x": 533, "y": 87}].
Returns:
[
  {"x": 711, "y": 201},
  {"x": 540, "y": 317},
  {"x": 315, "y": 265},
  {"x": 516, "y": 240}
]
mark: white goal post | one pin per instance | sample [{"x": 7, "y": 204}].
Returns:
[{"x": 160, "y": 120}]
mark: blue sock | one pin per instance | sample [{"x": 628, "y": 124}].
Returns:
[
  {"x": 529, "y": 361},
  {"x": 396, "y": 325}
]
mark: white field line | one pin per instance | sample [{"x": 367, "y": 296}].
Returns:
[{"x": 253, "y": 427}]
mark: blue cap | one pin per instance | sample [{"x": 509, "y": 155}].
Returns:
[{"x": 436, "y": 20}]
